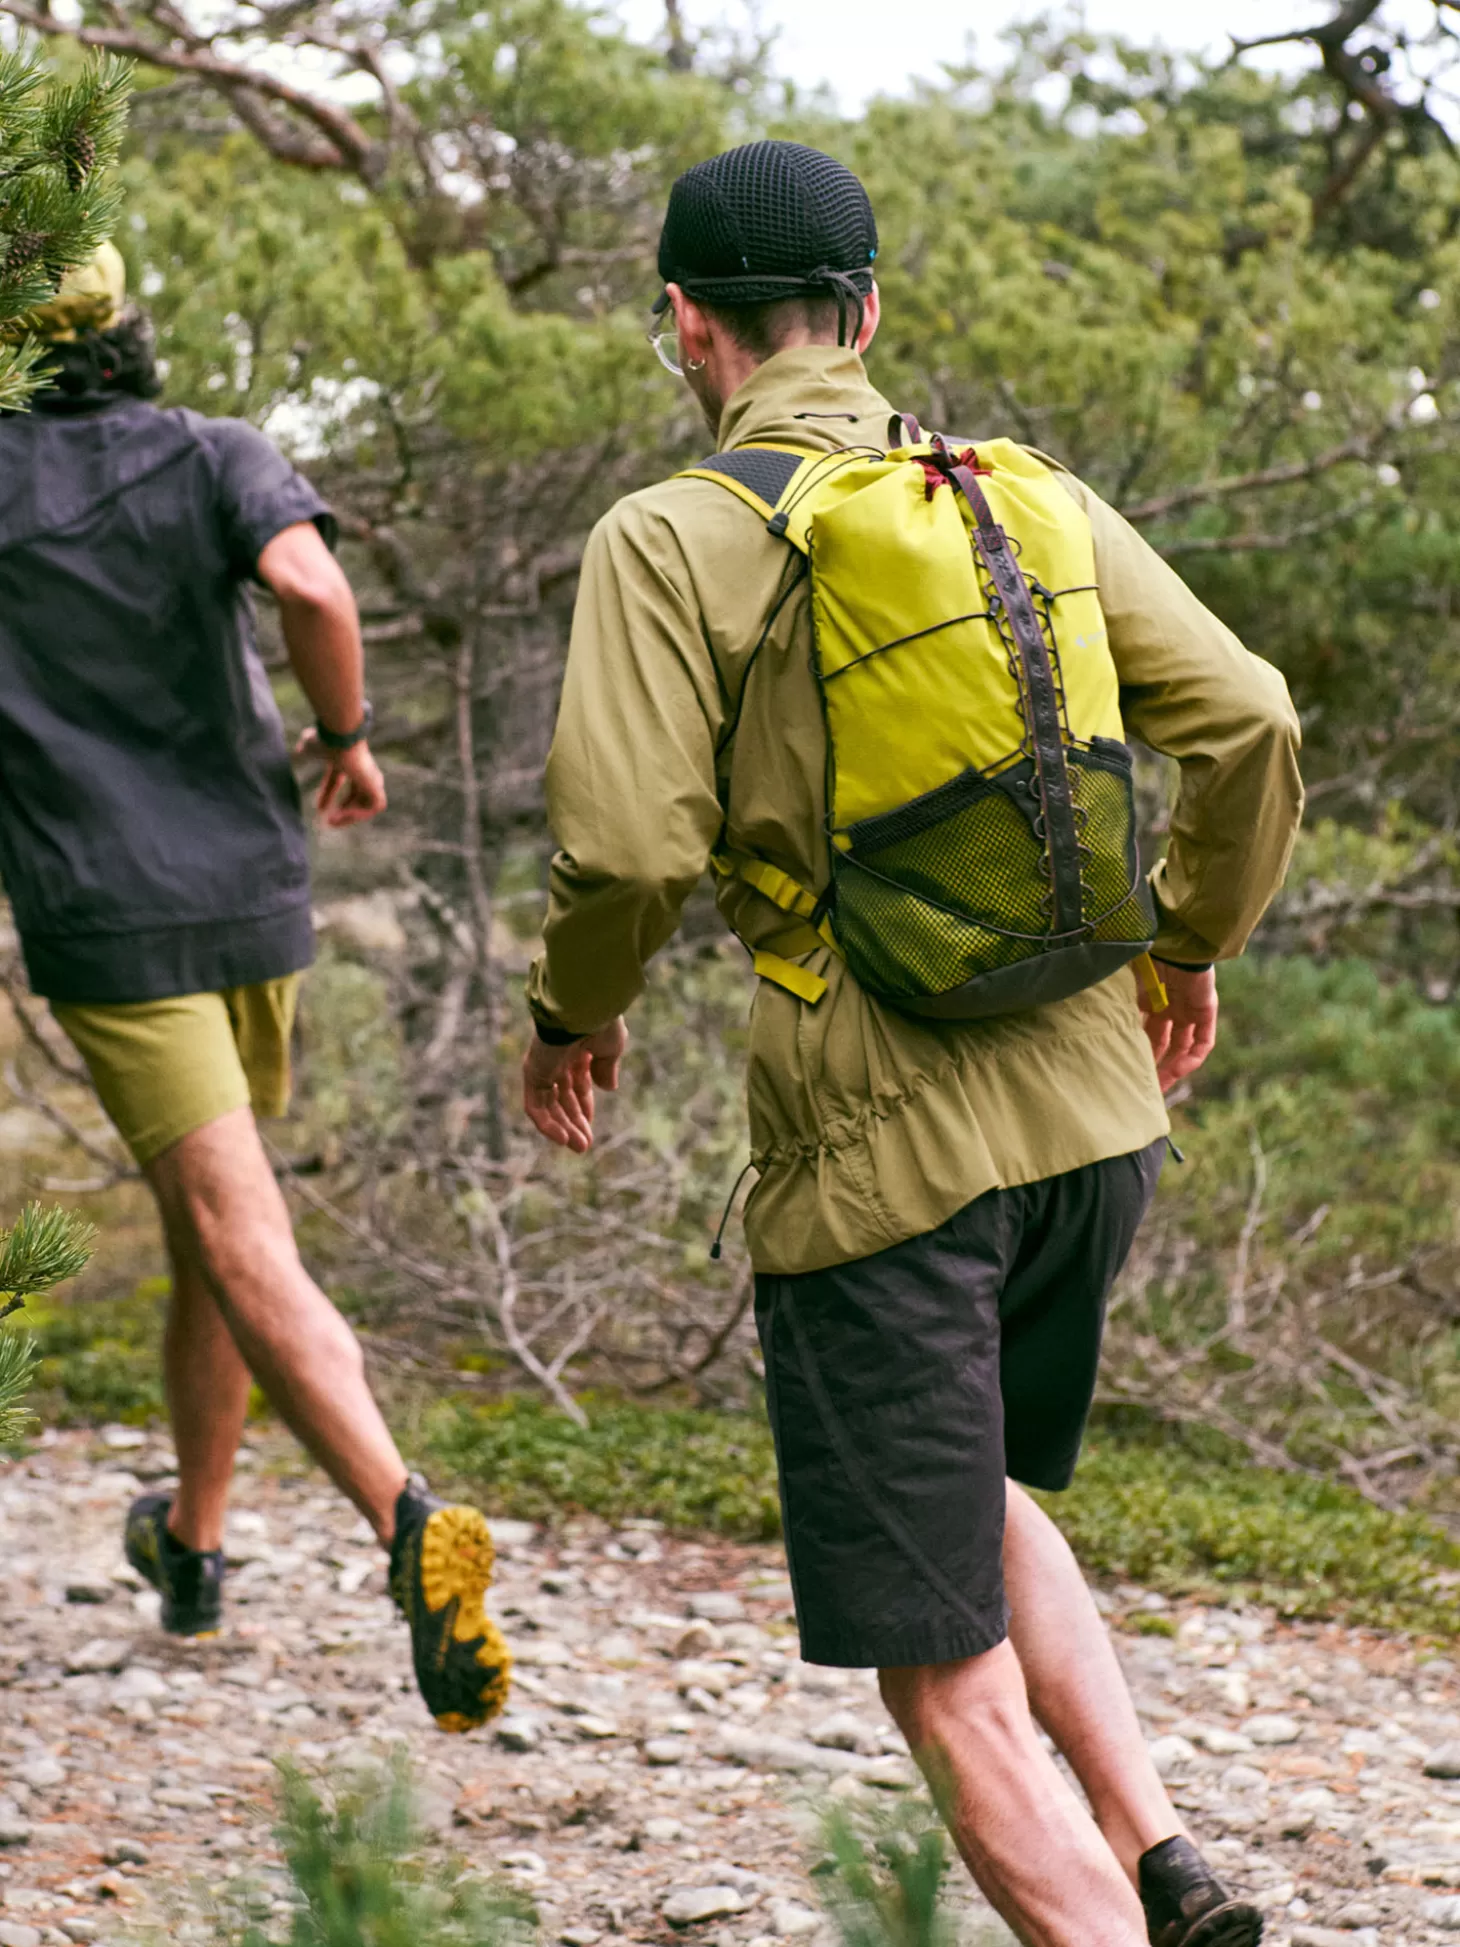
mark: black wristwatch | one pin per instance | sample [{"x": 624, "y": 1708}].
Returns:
[
  {"x": 347, "y": 739},
  {"x": 554, "y": 1037}
]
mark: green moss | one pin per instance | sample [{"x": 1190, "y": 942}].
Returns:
[
  {"x": 102, "y": 1359},
  {"x": 1157, "y": 1513},
  {"x": 1150, "y": 1625},
  {"x": 691, "y": 1470},
  {"x": 1144, "y": 1507}
]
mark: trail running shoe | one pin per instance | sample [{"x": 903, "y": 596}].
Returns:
[
  {"x": 190, "y": 1580},
  {"x": 440, "y": 1571},
  {"x": 1187, "y": 1905}
]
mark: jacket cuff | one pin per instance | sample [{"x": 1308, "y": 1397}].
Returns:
[{"x": 1174, "y": 943}]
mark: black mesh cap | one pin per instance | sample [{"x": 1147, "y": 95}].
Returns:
[{"x": 765, "y": 221}]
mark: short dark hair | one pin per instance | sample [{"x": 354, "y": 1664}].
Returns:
[
  {"x": 122, "y": 358},
  {"x": 764, "y": 329}
]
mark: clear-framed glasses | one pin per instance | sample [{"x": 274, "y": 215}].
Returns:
[{"x": 665, "y": 340}]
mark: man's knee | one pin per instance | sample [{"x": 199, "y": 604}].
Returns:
[
  {"x": 979, "y": 1695},
  {"x": 221, "y": 1209}
]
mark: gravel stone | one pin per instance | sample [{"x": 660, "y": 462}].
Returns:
[
  {"x": 666, "y": 1750},
  {"x": 1444, "y": 1912},
  {"x": 41, "y": 1774},
  {"x": 102, "y": 1654},
  {"x": 138, "y": 1685},
  {"x": 844, "y": 1732},
  {"x": 518, "y": 1734},
  {"x": 716, "y": 1606},
  {"x": 1273, "y": 1728},
  {"x": 685, "y": 1906},
  {"x": 789, "y": 1919},
  {"x": 1171, "y": 1754},
  {"x": 1444, "y": 1761},
  {"x": 126, "y": 1852}
]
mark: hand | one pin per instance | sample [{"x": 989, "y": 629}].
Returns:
[
  {"x": 352, "y": 789},
  {"x": 1184, "y": 1033},
  {"x": 558, "y": 1084}
]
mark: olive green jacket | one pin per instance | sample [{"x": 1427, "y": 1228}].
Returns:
[{"x": 868, "y": 1126}]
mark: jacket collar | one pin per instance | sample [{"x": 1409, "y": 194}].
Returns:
[{"x": 815, "y": 396}]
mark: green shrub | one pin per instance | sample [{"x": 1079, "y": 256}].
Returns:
[
  {"x": 102, "y": 1359},
  {"x": 362, "y": 1877},
  {"x": 1146, "y": 1507},
  {"x": 688, "y": 1469}
]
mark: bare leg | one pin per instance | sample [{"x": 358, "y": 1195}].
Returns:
[
  {"x": 219, "y": 1199},
  {"x": 1028, "y": 1840},
  {"x": 207, "y": 1401},
  {"x": 1076, "y": 1687}
]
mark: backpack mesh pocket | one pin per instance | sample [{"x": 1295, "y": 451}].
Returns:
[{"x": 955, "y": 887}]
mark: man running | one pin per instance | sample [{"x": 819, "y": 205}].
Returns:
[
  {"x": 941, "y": 1207},
  {"x": 155, "y": 856}
]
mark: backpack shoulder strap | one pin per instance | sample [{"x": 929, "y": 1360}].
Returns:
[{"x": 758, "y": 475}]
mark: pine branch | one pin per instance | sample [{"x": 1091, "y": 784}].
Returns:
[
  {"x": 44, "y": 1248},
  {"x": 59, "y": 143}
]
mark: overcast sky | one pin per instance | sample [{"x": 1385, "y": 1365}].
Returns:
[{"x": 863, "y": 47}]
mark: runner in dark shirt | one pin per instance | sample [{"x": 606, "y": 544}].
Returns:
[{"x": 154, "y": 852}]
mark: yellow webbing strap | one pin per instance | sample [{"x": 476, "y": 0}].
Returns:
[
  {"x": 783, "y": 891},
  {"x": 800, "y": 981},
  {"x": 1157, "y": 999}
]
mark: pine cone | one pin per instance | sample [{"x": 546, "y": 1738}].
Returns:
[
  {"x": 78, "y": 155},
  {"x": 24, "y": 248}
]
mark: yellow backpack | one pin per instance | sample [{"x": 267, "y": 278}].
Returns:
[{"x": 981, "y": 814}]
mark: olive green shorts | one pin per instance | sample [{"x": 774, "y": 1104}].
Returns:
[{"x": 165, "y": 1068}]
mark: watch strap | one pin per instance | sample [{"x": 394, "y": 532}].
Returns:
[{"x": 346, "y": 739}]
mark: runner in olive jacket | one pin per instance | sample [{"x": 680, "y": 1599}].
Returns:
[{"x": 941, "y": 1207}]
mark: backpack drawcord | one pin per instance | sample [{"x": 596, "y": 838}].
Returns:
[{"x": 729, "y": 1206}]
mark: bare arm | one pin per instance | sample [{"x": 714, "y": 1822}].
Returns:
[{"x": 322, "y": 636}]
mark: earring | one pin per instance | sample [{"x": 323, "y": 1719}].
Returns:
[{"x": 694, "y": 364}]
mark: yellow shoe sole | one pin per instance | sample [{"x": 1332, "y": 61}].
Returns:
[{"x": 457, "y": 1559}]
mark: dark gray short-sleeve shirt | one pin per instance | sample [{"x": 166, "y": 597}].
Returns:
[{"x": 151, "y": 839}]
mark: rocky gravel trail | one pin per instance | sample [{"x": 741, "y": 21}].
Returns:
[{"x": 656, "y": 1775}]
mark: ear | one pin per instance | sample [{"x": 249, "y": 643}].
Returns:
[
  {"x": 871, "y": 318},
  {"x": 695, "y": 331}
]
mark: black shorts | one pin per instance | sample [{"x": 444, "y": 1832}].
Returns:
[{"x": 904, "y": 1387}]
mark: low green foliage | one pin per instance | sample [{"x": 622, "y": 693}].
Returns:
[
  {"x": 687, "y": 1469},
  {"x": 883, "y": 1873},
  {"x": 362, "y": 1877},
  {"x": 102, "y": 1361},
  {"x": 1163, "y": 1515},
  {"x": 1148, "y": 1508}
]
